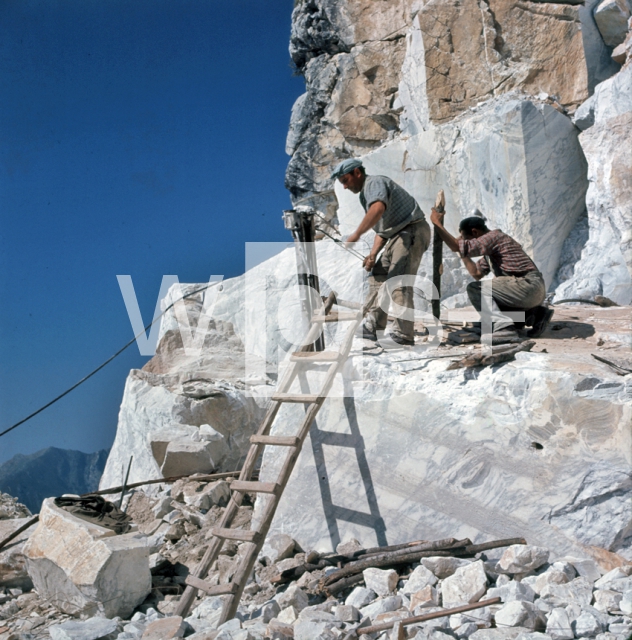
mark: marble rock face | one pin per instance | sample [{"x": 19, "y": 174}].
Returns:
[
  {"x": 401, "y": 454},
  {"x": 185, "y": 410},
  {"x": 82, "y": 568},
  {"x": 476, "y": 51},
  {"x": 608, "y": 151},
  {"x": 517, "y": 161},
  {"x": 162, "y": 422},
  {"x": 425, "y": 456},
  {"x": 420, "y": 89}
]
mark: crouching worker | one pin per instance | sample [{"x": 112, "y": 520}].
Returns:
[
  {"x": 402, "y": 235},
  {"x": 518, "y": 285}
]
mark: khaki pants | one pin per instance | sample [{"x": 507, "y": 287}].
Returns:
[
  {"x": 509, "y": 293},
  {"x": 401, "y": 256}
]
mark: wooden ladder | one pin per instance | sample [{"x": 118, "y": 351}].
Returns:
[{"x": 254, "y": 539}]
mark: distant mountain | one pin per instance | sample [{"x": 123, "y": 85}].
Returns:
[{"x": 51, "y": 472}]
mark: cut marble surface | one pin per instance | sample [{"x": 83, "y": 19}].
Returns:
[{"x": 601, "y": 271}]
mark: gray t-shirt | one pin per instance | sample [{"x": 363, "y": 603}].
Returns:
[{"x": 401, "y": 207}]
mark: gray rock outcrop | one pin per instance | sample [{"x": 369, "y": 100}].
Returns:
[{"x": 352, "y": 56}]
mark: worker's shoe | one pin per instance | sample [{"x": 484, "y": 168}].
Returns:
[
  {"x": 541, "y": 318},
  {"x": 405, "y": 342},
  {"x": 506, "y": 335},
  {"x": 368, "y": 334}
]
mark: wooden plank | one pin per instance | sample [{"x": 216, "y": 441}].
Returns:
[
  {"x": 428, "y": 616},
  {"x": 337, "y": 316},
  {"x": 348, "y": 303},
  {"x": 212, "y": 590},
  {"x": 278, "y": 441},
  {"x": 329, "y": 303},
  {"x": 236, "y": 534},
  {"x": 255, "y": 487},
  {"x": 295, "y": 397},
  {"x": 315, "y": 356}
]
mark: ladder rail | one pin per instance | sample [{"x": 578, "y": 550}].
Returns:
[
  {"x": 247, "y": 564},
  {"x": 253, "y": 548}
]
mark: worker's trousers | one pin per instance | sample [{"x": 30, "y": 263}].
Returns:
[
  {"x": 400, "y": 257},
  {"x": 508, "y": 293}
]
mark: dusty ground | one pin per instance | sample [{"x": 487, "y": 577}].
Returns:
[{"x": 579, "y": 330}]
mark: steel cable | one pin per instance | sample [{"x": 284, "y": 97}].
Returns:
[{"x": 74, "y": 386}]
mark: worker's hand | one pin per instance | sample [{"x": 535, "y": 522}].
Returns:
[
  {"x": 437, "y": 218},
  {"x": 352, "y": 239},
  {"x": 369, "y": 262}
]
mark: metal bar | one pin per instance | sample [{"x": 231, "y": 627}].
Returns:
[
  {"x": 437, "y": 259},
  {"x": 124, "y": 489},
  {"x": 18, "y": 531},
  {"x": 201, "y": 477}
]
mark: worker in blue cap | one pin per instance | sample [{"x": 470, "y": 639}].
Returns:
[{"x": 402, "y": 235}]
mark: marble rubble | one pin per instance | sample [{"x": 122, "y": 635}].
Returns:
[
  {"x": 13, "y": 573},
  {"x": 301, "y": 609},
  {"x": 268, "y": 610},
  {"x": 184, "y": 413}
]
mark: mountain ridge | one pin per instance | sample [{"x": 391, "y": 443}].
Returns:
[{"x": 68, "y": 471}]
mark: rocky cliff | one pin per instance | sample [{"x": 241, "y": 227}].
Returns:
[
  {"x": 479, "y": 98},
  {"x": 514, "y": 107}
]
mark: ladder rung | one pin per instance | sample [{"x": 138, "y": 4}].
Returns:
[
  {"x": 315, "y": 356},
  {"x": 291, "y": 397},
  {"x": 337, "y": 317},
  {"x": 212, "y": 590},
  {"x": 279, "y": 441},
  {"x": 237, "y": 534},
  {"x": 255, "y": 487}
]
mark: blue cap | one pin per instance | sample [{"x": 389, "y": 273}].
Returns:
[{"x": 346, "y": 166}]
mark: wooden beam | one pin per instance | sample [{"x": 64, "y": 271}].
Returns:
[
  {"x": 278, "y": 441},
  {"x": 236, "y": 534},
  {"x": 254, "y": 487},
  {"x": 211, "y": 590}
]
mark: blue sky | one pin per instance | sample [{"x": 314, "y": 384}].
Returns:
[{"x": 142, "y": 138}]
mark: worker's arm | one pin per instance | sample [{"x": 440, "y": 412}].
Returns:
[
  {"x": 371, "y": 218},
  {"x": 472, "y": 268},
  {"x": 369, "y": 261},
  {"x": 437, "y": 220}
]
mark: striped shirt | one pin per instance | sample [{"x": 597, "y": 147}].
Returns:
[
  {"x": 401, "y": 207},
  {"x": 506, "y": 256}
]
